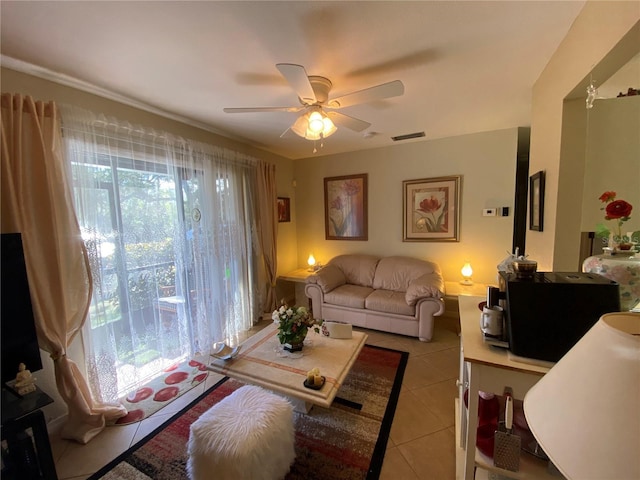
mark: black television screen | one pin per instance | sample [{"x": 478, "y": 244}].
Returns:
[{"x": 18, "y": 333}]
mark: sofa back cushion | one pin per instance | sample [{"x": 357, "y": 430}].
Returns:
[
  {"x": 396, "y": 273},
  {"x": 357, "y": 269}
]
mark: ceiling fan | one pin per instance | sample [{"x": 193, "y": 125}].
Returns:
[{"x": 320, "y": 118}]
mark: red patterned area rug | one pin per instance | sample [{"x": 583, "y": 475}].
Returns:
[
  {"x": 162, "y": 390},
  {"x": 344, "y": 442}
]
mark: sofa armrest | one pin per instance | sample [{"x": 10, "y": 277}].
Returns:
[
  {"x": 327, "y": 278},
  {"x": 426, "y": 309},
  {"x": 429, "y": 285}
]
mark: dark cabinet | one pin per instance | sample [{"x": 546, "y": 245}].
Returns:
[{"x": 26, "y": 452}]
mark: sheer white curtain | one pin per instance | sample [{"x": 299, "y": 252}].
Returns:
[{"x": 168, "y": 223}]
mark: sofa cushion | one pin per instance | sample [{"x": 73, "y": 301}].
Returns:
[
  {"x": 396, "y": 273},
  {"x": 348, "y": 295},
  {"x": 389, "y": 302},
  {"x": 427, "y": 285},
  {"x": 327, "y": 278},
  {"x": 357, "y": 269}
]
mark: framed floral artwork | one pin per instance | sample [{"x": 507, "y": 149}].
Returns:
[
  {"x": 284, "y": 209},
  {"x": 345, "y": 207},
  {"x": 431, "y": 209}
]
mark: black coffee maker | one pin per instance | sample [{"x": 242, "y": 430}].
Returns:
[{"x": 547, "y": 313}]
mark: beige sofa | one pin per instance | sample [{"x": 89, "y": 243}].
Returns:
[{"x": 393, "y": 294}]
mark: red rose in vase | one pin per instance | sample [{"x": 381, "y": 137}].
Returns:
[{"x": 618, "y": 209}]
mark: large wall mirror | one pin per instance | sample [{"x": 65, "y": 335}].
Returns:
[
  {"x": 600, "y": 152},
  {"x": 612, "y": 155}
]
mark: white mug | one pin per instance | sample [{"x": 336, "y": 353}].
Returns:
[{"x": 491, "y": 321}]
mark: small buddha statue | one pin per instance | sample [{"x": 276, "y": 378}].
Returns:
[{"x": 25, "y": 383}]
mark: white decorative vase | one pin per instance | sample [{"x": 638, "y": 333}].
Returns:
[{"x": 622, "y": 267}]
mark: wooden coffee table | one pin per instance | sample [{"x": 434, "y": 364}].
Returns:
[{"x": 261, "y": 362}]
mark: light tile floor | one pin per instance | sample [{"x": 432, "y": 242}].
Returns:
[{"x": 422, "y": 440}]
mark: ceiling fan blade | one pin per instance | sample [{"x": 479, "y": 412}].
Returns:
[
  {"x": 297, "y": 77},
  {"x": 349, "y": 122},
  {"x": 379, "y": 92},
  {"x": 262, "y": 109}
]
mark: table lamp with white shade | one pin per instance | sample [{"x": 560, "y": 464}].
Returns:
[{"x": 585, "y": 412}]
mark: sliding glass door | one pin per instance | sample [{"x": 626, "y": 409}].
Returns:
[
  {"x": 134, "y": 224},
  {"x": 168, "y": 230}
]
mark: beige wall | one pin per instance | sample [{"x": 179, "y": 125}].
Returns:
[
  {"x": 486, "y": 162},
  {"x": 603, "y": 38}
]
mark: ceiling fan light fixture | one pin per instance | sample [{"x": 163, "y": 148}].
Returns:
[
  {"x": 313, "y": 95},
  {"x": 299, "y": 127},
  {"x": 313, "y": 136},
  {"x": 329, "y": 127},
  {"x": 314, "y": 125}
]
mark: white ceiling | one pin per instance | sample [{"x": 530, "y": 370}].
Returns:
[{"x": 466, "y": 66}]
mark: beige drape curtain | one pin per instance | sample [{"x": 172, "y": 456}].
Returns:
[
  {"x": 37, "y": 201},
  {"x": 268, "y": 229}
]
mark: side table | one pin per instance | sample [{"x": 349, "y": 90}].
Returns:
[
  {"x": 299, "y": 277},
  {"x": 489, "y": 369},
  {"x": 27, "y": 456},
  {"x": 453, "y": 290}
]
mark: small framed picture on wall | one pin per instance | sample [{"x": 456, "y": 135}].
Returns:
[
  {"x": 284, "y": 209},
  {"x": 536, "y": 201}
]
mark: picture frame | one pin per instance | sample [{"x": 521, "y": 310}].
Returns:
[
  {"x": 431, "y": 209},
  {"x": 345, "y": 207},
  {"x": 284, "y": 209},
  {"x": 536, "y": 201}
]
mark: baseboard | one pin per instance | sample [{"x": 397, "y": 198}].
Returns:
[{"x": 55, "y": 425}]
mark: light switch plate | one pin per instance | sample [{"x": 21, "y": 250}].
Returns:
[{"x": 489, "y": 212}]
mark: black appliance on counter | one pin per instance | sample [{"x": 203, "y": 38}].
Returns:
[{"x": 547, "y": 314}]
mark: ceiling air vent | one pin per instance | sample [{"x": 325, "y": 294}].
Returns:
[{"x": 408, "y": 136}]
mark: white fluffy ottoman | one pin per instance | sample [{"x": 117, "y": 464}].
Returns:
[{"x": 247, "y": 436}]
